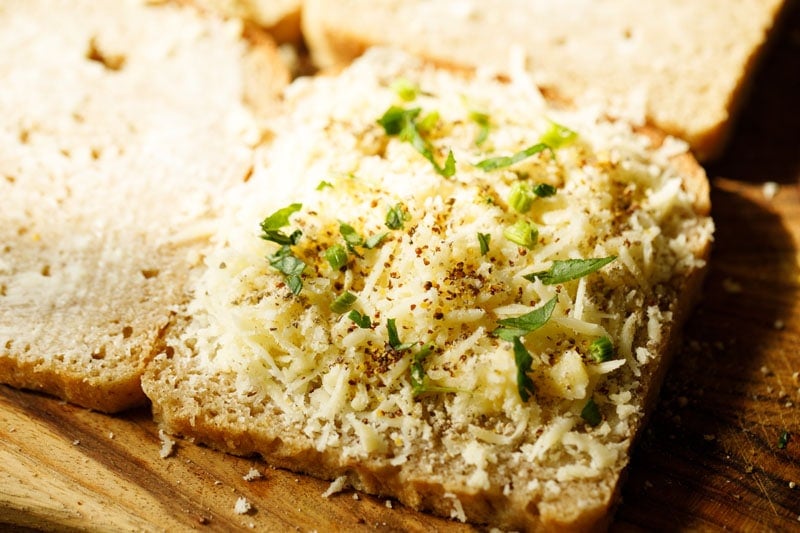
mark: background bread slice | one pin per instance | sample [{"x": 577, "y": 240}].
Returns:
[
  {"x": 216, "y": 384},
  {"x": 281, "y": 18},
  {"x": 120, "y": 124},
  {"x": 685, "y": 63}
]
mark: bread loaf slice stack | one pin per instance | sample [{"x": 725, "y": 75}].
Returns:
[
  {"x": 438, "y": 288},
  {"x": 120, "y": 125},
  {"x": 683, "y": 63}
]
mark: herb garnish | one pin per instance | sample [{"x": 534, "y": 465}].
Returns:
[
  {"x": 482, "y": 120},
  {"x": 783, "y": 439},
  {"x": 494, "y": 163},
  {"x": 271, "y": 226},
  {"x": 324, "y": 185},
  {"x": 290, "y": 266},
  {"x": 562, "y": 271},
  {"x": 400, "y": 122},
  {"x": 601, "y": 350},
  {"x": 394, "y": 340},
  {"x": 362, "y": 321},
  {"x": 336, "y": 256},
  {"x": 396, "y": 216},
  {"x": 483, "y": 241},
  {"x": 420, "y": 383},
  {"x": 524, "y": 361},
  {"x": 284, "y": 260},
  {"x": 519, "y": 326},
  {"x": 353, "y": 239},
  {"x": 405, "y": 89},
  {"x": 343, "y": 302},
  {"x": 522, "y": 233},
  {"x": 591, "y": 413},
  {"x": 557, "y": 136},
  {"x": 543, "y": 190}
]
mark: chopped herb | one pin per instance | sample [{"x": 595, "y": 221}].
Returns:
[
  {"x": 394, "y": 340},
  {"x": 374, "y": 240},
  {"x": 494, "y": 163},
  {"x": 523, "y": 233},
  {"x": 405, "y": 89},
  {"x": 557, "y": 136},
  {"x": 521, "y": 197},
  {"x": 290, "y": 266},
  {"x": 482, "y": 120},
  {"x": 343, "y": 302},
  {"x": 336, "y": 256},
  {"x": 520, "y": 326},
  {"x": 783, "y": 439},
  {"x": 483, "y": 241},
  {"x": 271, "y": 226},
  {"x": 601, "y": 350},
  {"x": 591, "y": 413},
  {"x": 428, "y": 122},
  {"x": 350, "y": 235},
  {"x": 402, "y": 123},
  {"x": 420, "y": 383},
  {"x": 397, "y": 216},
  {"x": 361, "y": 321},
  {"x": 524, "y": 361},
  {"x": 324, "y": 185},
  {"x": 543, "y": 190},
  {"x": 563, "y": 271}
]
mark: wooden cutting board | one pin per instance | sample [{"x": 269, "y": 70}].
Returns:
[{"x": 710, "y": 459}]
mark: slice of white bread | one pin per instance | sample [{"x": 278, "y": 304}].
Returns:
[
  {"x": 292, "y": 377},
  {"x": 281, "y": 18},
  {"x": 120, "y": 124},
  {"x": 684, "y": 63}
]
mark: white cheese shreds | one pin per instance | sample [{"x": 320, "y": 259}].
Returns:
[
  {"x": 336, "y": 486},
  {"x": 167, "y": 444},
  {"x": 242, "y": 506},
  {"x": 252, "y": 475}
]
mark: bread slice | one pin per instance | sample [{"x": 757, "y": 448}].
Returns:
[
  {"x": 281, "y": 18},
  {"x": 686, "y": 64},
  {"x": 120, "y": 124},
  {"x": 410, "y": 391}
]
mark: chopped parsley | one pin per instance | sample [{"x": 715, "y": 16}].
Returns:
[
  {"x": 336, "y": 256},
  {"x": 362, "y": 321},
  {"x": 557, "y": 136},
  {"x": 522, "y": 233},
  {"x": 543, "y": 190},
  {"x": 290, "y": 266},
  {"x": 483, "y": 242},
  {"x": 519, "y": 326},
  {"x": 284, "y": 259},
  {"x": 343, "y": 302},
  {"x": 601, "y": 350},
  {"x": 324, "y": 185},
  {"x": 591, "y": 413},
  {"x": 524, "y": 361},
  {"x": 396, "y": 216},
  {"x": 563, "y": 271},
  {"x": 394, "y": 339},
  {"x": 783, "y": 439},
  {"x": 494, "y": 163},
  {"x": 353, "y": 239},
  {"x": 405, "y": 89},
  {"x": 482, "y": 120},
  {"x": 402, "y": 123},
  {"x": 374, "y": 240},
  {"x": 420, "y": 383}
]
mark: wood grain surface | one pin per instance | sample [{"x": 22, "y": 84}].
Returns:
[{"x": 709, "y": 460}]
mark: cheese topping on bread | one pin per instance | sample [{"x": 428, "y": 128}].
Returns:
[{"x": 444, "y": 378}]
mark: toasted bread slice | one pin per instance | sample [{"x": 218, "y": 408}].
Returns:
[
  {"x": 457, "y": 376},
  {"x": 281, "y": 18},
  {"x": 686, "y": 64},
  {"x": 121, "y": 123}
]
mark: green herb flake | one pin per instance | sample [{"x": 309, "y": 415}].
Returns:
[
  {"x": 511, "y": 328},
  {"x": 557, "y": 136},
  {"x": 343, "y": 302},
  {"x": 271, "y": 226},
  {"x": 324, "y": 185},
  {"x": 336, "y": 256},
  {"x": 521, "y": 197},
  {"x": 362, "y": 321},
  {"x": 524, "y": 361},
  {"x": 420, "y": 383},
  {"x": 400, "y": 122},
  {"x": 374, "y": 240},
  {"x": 494, "y": 163},
  {"x": 405, "y": 89},
  {"x": 394, "y": 339},
  {"x": 601, "y": 350},
  {"x": 522, "y": 233},
  {"x": 543, "y": 190},
  {"x": 350, "y": 236},
  {"x": 427, "y": 123},
  {"x": 483, "y": 242},
  {"x": 783, "y": 439},
  {"x": 591, "y": 413},
  {"x": 482, "y": 120},
  {"x": 563, "y": 271},
  {"x": 290, "y": 266},
  {"x": 396, "y": 216}
]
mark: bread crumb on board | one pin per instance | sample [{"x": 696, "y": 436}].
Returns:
[
  {"x": 252, "y": 475},
  {"x": 242, "y": 506},
  {"x": 167, "y": 445},
  {"x": 335, "y": 487},
  {"x": 770, "y": 190}
]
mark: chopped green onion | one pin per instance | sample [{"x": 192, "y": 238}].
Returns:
[
  {"x": 402, "y": 123},
  {"x": 524, "y": 361},
  {"x": 523, "y": 233},
  {"x": 374, "y": 240},
  {"x": 601, "y": 350},
  {"x": 521, "y": 197},
  {"x": 336, "y": 256},
  {"x": 520, "y": 326},
  {"x": 482, "y": 120},
  {"x": 324, "y": 185},
  {"x": 543, "y": 190},
  {"x": 343, "y": 302},
  {"x": 563, "y": 271},
  {"x": 394, "y": 339},
  {"x": 557, "y": 136},
  {"x": 783, "y": 439},
  {"x": 428, "y": 122},
  {"x": 272, "y": 225},
  {"x": 591, "y": 413},
  {"x": 405, "y": 89},
  {"x": 483, "y": 241},
  {"x": 396, "y": 216},
  {"x": 494, "y": 163},
  {"x": 361, "y": 321},
  {"x": 351, "y": 236}
]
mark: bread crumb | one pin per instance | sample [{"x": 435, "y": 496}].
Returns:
[
  {"x": 779, "y": 324},
  {"x": 355, "y": 496},
  {"x": 796, "y": 377},
  {"x": 709, "y": 437},
  {"x": 792, "y": 484},
  {"x": 242, "y": 506},
  {"x": 457, "y": 511},
  {"x": 749, "y": 469},
  {"x": 766, "y": 371},
  {"x": 252, "y": 475},
  {"x": 111, "y": 435},
  {"x": 731, "y": 286},
  {"x": 388, "y": 504},
  {"x": 770, "y": 190},
  {"x": 337, "y": 485},
  {"x": 76, "y": 442},
  {"x": 217, "y": 482},
  {"x": 167, "y": 444}
]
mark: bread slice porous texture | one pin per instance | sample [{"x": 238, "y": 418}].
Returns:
[
  {"x": 463, "y": 375},
  {"x": 281, "y": 18},
  {"x": 685, "y": 64},
  {"x": 120, "y": 125}
]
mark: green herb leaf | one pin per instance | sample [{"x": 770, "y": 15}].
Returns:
[
  {"x": 494, "y": 163},
  {"x": 543, "y": 190},
  {"x": 557, "y": 136},
  {"x": 591, "y": 413},
  {"x": 405, "y": 89},
  {"x": 290, "y": 266},
  {"x": 524, "y": 361},
  {"x": 520, "y": 326},
  {"x": 343, "y": 302},
  {"x": 522, "y": 233},
  {"x": 324, "y": 185},
  {"x": 783, "y": 439},
  {"x": 420, "y": 383},
  {"x": 336, "y": 256},
  {"x": 394, "y": 339},
  {"x": 563, "y": 271},
  {"x": 374, "y": 240},
  {"x": 402, "y": 122},
  {"x": 521, "y": 197},
  {"x": 482, "y": 120},
  {"x": 362, "y": 321},
  {"x": 601, "y": 350},
  {"x": 428, "y": 122},
  {"x": 272, "y": 225},
  {"x": 397, "y": 216},
  {"x": 351, "y": 236},
  {"x": 483, "y": 241}
]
